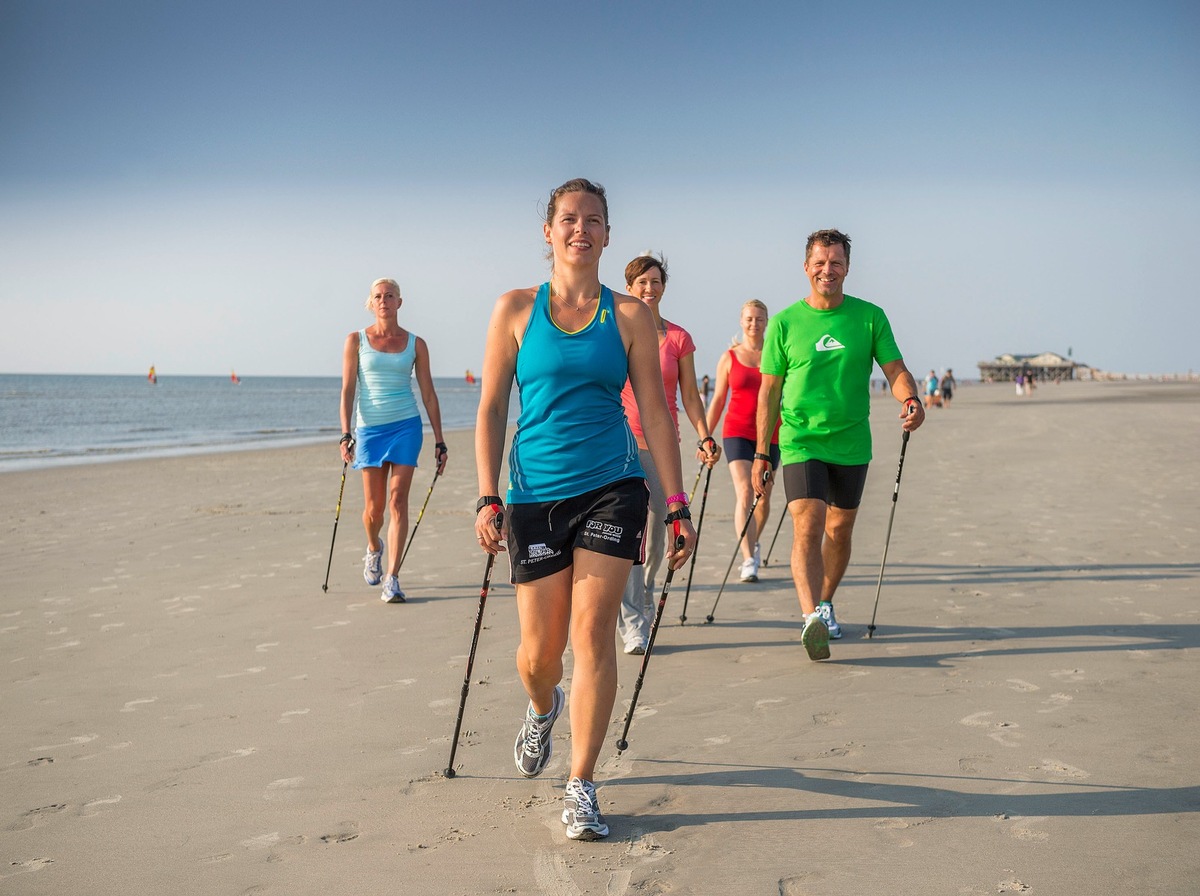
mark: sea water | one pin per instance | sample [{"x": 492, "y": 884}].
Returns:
[{"x": 54, "y": 419}]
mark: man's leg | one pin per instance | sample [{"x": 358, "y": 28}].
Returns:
[
  {"x": 835, "y": 551},
  {"x": 808, "y": 565}
]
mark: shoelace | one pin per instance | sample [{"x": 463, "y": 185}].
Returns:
[
  {"x": 533, "y": 737},
  {"x": 585, "y": 801}
]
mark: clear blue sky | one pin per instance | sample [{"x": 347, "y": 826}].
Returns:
[{"x": 215, "y": 184}]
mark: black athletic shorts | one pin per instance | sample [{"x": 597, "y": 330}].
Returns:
[
  {"x": 743, "y": 449},
  {"x": 610, "y": 520},
  {"x": 835, "y": 484}
]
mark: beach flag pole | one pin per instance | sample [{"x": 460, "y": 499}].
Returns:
[
  {"x": 888, "y": 537},
  {"x": 336, "y": 516},
  {"x": 737, "y": 547},
  {"x": 466, "y": 685},
  {"x": 622, "y": 743},
  {"x": 692, "y": 567}
]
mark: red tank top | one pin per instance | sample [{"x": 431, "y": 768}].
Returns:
[{"x": 743, "y": 402}]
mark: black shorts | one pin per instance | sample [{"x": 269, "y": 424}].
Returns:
[
  {"x": 610, "y": 520},
  {"x": 835, "y": 484},
  {"x": 743, "y": 449}
]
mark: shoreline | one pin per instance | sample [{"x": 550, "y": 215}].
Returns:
[{"x": 186, "y": 709}]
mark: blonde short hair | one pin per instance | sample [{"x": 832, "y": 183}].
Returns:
[{"x": 371, "y": 291}]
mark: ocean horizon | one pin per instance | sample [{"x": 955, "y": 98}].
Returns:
[{"x": 49, "y": 420}]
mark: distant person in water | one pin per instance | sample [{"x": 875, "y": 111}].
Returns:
[{"x": 378, "y": 363}]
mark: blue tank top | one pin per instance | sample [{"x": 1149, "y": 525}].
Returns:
[
  {"x": 385, "y": 392},
  {"x": 572, "y": 435}
]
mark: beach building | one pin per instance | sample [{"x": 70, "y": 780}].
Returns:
[{"x": 1046, "y": 366}]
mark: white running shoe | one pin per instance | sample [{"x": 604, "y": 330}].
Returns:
[
  {"x": 534, "y": 745},
  {"x": 391, "y": 591},
  {"x": 825, "y": 608},
  {"x": 373, "y": 567},
  {"x": 815, "y": 637},
  {"x": 749, "y": 571},
  {"x": 581, "y": 812}
]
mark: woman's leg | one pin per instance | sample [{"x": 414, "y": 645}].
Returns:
[
  {"x": 374, "y": 502},
  {"x": 544, "y": 611},
  {"x": 399, "y": 485},
  {"x": 656, "y": 532},
  {"x": 597, "y": 583},
  {"x": 739, "y": 472}
]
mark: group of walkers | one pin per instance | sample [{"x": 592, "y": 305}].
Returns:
[{"x": 594, "y": 472}]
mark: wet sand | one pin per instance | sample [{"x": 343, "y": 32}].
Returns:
[{"x": 186, "y": 711}]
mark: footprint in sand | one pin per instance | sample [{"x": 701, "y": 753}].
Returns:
[
  {"x": 891, "y": 829},
  {"x": 1001, "y": 732},
  {"x": 132, "y": 705},
  {"x": 1062, "y": 769},
  {"x": 1023, "y": 686},
  {"x": 1022, "y": 829},
  {"x": 34, "y": 817},
  {"x": 1055, "y": 702}
]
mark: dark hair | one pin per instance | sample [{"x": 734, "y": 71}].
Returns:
[
  {"x": 827, "y": 238},
  {"x": 643, "y": 263},
  {"x": 577, "y": 185}
]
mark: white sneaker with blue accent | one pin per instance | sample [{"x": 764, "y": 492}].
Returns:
[
  {"x": 534, "y": 745},
  {"x": 825, "y": 608},
  {"x": 373, "y": 567},
  {"x": 581, "y": 812}
]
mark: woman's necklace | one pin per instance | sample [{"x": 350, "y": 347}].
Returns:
[{"x": 567, "y": 305}]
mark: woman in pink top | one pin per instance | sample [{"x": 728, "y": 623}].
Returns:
[{"x": 646, "y": 279}]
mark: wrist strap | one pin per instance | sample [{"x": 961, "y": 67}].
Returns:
[
  {"x": 681, "y": 514},
  {"x": 680, "y": 498},
  {"x": 758, "y": 455},
  {"x": 487, "y": 501},
  {"x": 346, "y": 437},
  {"x": 704, "y": 441}
]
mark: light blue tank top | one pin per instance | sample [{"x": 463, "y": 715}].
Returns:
[
  {"x": 385, "y": 393},
  {"x": 572, "y": 435}
]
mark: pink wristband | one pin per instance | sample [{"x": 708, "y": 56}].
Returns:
[{"x": 680, "y": 498}]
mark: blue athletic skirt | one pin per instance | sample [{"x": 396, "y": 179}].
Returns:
[{"x": 393, "y": 443}]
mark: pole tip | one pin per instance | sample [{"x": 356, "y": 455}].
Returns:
[
  {"x": 870, "y": 632},
  {"x": 449, "y": 773},
  {"x": 325, "y": 588},
  {"x": 622, "y": 746},
  {"x": 709, "y": 618}
]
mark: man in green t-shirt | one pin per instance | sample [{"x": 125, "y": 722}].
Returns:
[{"x": 816, "y": 377}]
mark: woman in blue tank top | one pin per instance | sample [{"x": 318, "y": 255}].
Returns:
[
  {"x": 378, "y": 363},
  {"x": 576, "y": 492}
]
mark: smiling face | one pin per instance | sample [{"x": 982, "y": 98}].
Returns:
[
  {"x": 578, "y": 232},
  {"x": 826, "y": 267},
  {"x": 754, "y": 322},
  {"x": 648, "y": 286}
]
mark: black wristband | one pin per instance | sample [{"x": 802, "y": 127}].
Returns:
[
  {"x": 758, "y": 455},
  {"x": 440, "y": 447},
  {"x": 346, "y": 437},
  {"x": 702, "y": 442},
  {"x": 911, "y": 398},
  {"x": 487, "y": 501},
  {"x": 681, "y": 514}
]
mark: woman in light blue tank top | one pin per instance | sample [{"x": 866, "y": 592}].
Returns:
[
  {"x": 576, "y": 488},
  {"x": 378, "y": 363}
]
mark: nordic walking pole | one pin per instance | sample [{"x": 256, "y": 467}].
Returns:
[
  {"x": 622, "y": 743},
  {"x": 696, "y": 550},
  {"x": 462, "y": 700},
  {"x": 696, "y": 484},
  {"x": 417, "y": 525},
  {"x": 737, "y": 547},
  {"x": 336, "y": 516},
  {"x": 888, "y": 537},
  {"x": 767, "y": 562}
]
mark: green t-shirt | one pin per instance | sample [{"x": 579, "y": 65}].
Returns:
[{"x": 826, "y": 358}]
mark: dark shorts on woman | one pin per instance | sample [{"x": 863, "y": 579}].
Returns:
[
  {"x": 743, "y": 449},
  {"x": 836, "y": 484},
  {"x": 609, "y": 520},
  {"x": 391, "y": 443}
]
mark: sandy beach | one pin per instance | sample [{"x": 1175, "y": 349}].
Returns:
[{"x": 187, "y": 712}]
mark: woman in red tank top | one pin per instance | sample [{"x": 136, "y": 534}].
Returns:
[{"x": 738, "y": 378}]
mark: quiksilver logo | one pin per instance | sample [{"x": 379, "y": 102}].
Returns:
[{"x": 828, "y": 344}]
